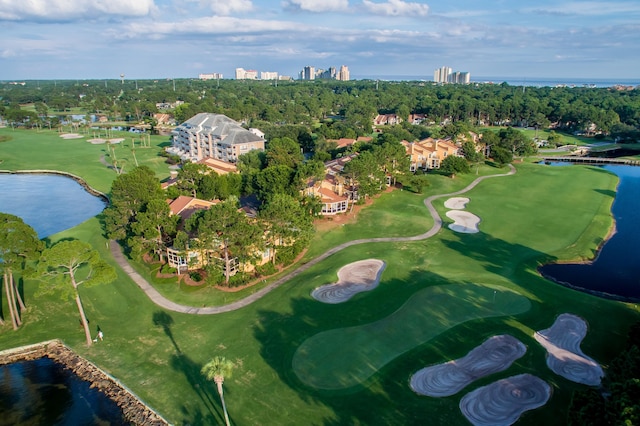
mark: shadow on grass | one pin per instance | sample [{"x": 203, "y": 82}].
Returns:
[
  {"x": 385, "y": 397},
  {"x": 202, "y": 387},
  {"x": 496, "y": 255},
  {"x": 164, "y": 320}
]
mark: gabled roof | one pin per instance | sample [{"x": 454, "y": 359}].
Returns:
[{"x": 185, "y": 206}]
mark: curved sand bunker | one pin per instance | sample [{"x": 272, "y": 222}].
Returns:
[
  {"x": 504, "y": 401},
  {"x": 71, "y": 136},
  {"x": 493, "y": 355},
  {"x": 456, "y": 203},
  {"x": 464, "y": 222},
  {"x": 564, "y": 356},
  {"x": 97, "y": 141},
  {"x": 353, "y": 278}
]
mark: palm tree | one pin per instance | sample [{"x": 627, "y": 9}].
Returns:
[{"x": 217, "y": 369}]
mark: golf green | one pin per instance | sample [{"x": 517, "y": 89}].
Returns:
[{"x": 346, "y": 357}]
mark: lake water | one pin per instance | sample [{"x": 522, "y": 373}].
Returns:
[
  {"x": 48, "y": 203},
  {"x": 615, "y": 273},
  {"x": 42, "y": 392}
]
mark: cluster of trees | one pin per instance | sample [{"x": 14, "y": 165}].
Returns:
[
  {"x": 63, "y": 268},
  {"x": 618, "y": 402},
  {"x": 140, "y": 217},
  {"x": 355, "y": 102}
]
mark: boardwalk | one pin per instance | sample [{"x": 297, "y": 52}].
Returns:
[
  {"x": 165, "y": 303},
  {"x": 593, "y": 160}
]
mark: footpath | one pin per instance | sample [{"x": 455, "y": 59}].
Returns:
[{"x": 167, "y": 304}]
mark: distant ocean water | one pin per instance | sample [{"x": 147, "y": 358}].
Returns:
[{"x": 517, "y": 81}]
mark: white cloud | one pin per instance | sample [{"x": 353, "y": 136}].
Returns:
[
  {"x": 227, "y": 7},
  {"x": 317, "y": 5},
  {"x": 590, "y": 8},
  {"x": 61, "y": 10},
  {"x": 396, "y": 8}
]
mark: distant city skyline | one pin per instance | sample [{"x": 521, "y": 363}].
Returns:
[{"x": 91, "y": 39}]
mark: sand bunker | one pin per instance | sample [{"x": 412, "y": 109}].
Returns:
[
  {"x": 71, "y": 136},
  {"x": 353, "y": 278},
  {"x": 564, "y": 356},
  {"x": 493, "y": 355},
  {"x": 464, "y": 222},
  {"x": 456, "y": 203},
  {"x": 504, "y": 401},
  {"x": 97, "y": 141}
]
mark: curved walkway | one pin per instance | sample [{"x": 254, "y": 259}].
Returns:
[{"x": 163, "y": 302}]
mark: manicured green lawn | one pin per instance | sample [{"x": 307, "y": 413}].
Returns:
[
  {"x": 46, "y": 150},
  {"x": 540, "y": 213}
]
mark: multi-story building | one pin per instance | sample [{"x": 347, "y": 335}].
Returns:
[
  {"x": 210, "y": 76},
  {"x": 445, "y": 75},
  {"x": 242, "y": 74},
  {"x": 268, "y": 75},
  {"x": 429, "y": 153},
  {"x": 308, "y": 73},
  {"x": 216, "y": 136},
  {"x": 343, "y": 74}
]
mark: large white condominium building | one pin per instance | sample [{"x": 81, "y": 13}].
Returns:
[
  {"x": 213, "y": 136},
  {"x": 445, "y": 75},
  {"x": 242, "y": 74}
]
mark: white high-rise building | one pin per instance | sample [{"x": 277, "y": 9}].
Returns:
[
  {"x": 210, "y": 76},
  {"x": 268, "y": 75},
  {"x": 446, "y": 75},
  {"x": 242, "y": 74},
  {"x": 343, "y": 74}
]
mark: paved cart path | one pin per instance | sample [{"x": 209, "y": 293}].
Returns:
[{"x": 165, "y": 303}]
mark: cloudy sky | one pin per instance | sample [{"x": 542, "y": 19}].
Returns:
[{"x": 83, "y": 39}]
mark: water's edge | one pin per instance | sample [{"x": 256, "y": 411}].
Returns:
[
  {"x": 78, "y": 179},
  {"x": 133, "y": 409}
]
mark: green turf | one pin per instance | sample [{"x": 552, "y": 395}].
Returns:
[
  {"x": 346, "y": 357},
  {"x": 46, "y": 150},
  {"x": 541, "y": 213}
]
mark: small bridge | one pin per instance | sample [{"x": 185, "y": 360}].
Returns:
[{"x": 593, "y": 160}]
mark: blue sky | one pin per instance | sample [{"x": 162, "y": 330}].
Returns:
[{"x": 87, "y": 39}]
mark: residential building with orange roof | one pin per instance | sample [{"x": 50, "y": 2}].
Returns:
[
  {"x": 429, "y": 153},
  {"x": 219, "y": 166},
  {"x": 333, "y": 190}
]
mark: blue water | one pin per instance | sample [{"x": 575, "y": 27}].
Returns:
[
  {"x": 615, "y": 273},
  {"x": 48, "y": 203},
  {"x": 516, "y": 81},
  {"x": 42, "y": 392}
]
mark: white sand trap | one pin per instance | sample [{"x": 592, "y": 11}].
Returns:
[
  {"x": 503, "y": 402},
  {"x": 495, "y": 354},
  {"x": 353, "y": 278},
  {"x": 71, "y": 136},
  {"x": 456, "y": 203},
  {"x": 464, "y": 222},
  {"x": 97, "y": 141},
  {"x": 564, "y": 356},
  {"x": 116, "y": 140}
]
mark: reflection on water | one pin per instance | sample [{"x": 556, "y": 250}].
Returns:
[
  {"x": 48, "y": 203},
  {"x": 616, "y": 270},
  {"x": 42, "y": 392}
]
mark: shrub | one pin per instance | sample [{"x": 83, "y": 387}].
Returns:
[{"x": 266, "y": 269}]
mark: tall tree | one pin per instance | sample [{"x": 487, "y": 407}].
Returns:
[
  {"x": 288, "y": 223},
  {"x": 216, "y": 370},
  {"x": 226, "y": 230},
  {"x": 284, "y": 152},
  {"x": 69, "y": 264},
  {"x": 154, "y": 226},
  {"x": 130, "y": 193},
  {"x": 19, "y": 243}
]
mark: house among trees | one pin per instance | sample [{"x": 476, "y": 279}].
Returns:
[
  {"x": 429, "y": 153},
  {"x": 386, "y": 119},
  {"x": 334, "y": 192},
  {"x": 215, "y": 136},
  {"x": 219, "y": 166}
]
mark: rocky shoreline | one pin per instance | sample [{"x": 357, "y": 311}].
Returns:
[{"x": 134, "y": 410}]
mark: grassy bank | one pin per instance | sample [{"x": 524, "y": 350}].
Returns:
[{"x": 540, "y": 214}]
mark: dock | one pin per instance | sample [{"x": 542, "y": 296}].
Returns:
[{"x": 593, "y": 160}]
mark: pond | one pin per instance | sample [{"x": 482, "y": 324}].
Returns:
[
  {"x": 615, "y": 273},
  {"x": 42, "y": 392},
  {"x": 49, "y": 203}
]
